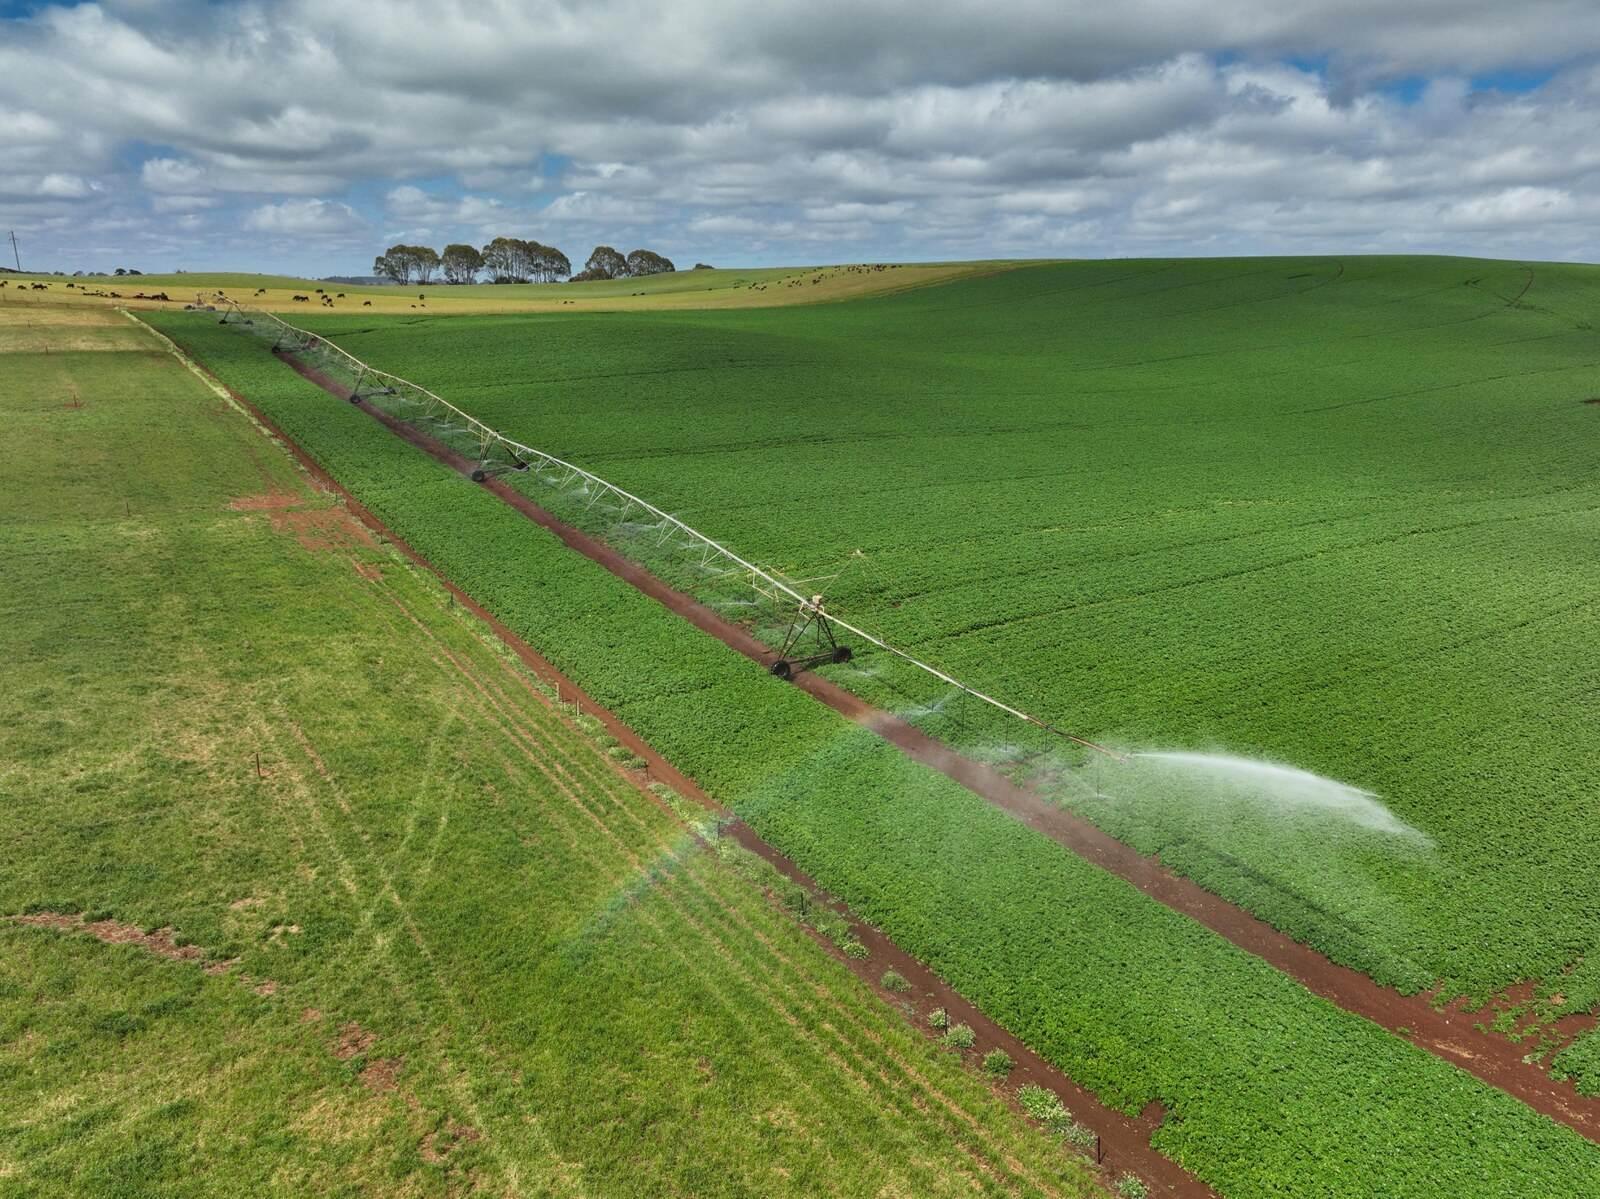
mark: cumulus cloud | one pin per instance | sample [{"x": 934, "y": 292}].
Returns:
[
  {"x": 840, "y": 128},
  {"x": 55, "y": 186},
  {"x": 304, "y": 218},
  {"x": 185, "y": 204},
  {"x": 171, "y": 175}
]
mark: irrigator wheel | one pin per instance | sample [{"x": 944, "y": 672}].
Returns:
[
  {"x": 782, "y": 669},
  {"x": 478, "y": 476},
  {"x": 841, "y": 653},
  {"x": 354, "y": 398}
]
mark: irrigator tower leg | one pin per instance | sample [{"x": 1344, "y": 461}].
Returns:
[
  {"x": 488, "y": 468},
  {"x": 809, "y": 618},
  {"x": 357, "y": 394}
]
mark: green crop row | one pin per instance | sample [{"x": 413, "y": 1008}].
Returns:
[{"x": 1269, "y": 1091}]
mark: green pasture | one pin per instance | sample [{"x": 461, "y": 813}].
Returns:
[{"x": 437, "y": 942}]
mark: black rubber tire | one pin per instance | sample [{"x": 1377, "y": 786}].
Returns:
[
  {"x": 841, "y": 653},
  {"x": 478, "y": 476},
  {"x": 781, "y": 669},
  {"x": 355, "y": 399}
]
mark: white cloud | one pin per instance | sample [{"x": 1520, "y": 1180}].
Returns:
[
  {"x": 182, "y": 203},
  {"x": 304, "y": 218},
  {"x": 52, "y": 186},
  {"x": 57, "y": 186},
  {"x": 171, "y": 175},
  {"x": 1000, "y": 126},
  {"x": 1518, "y": 206},
  {"x": 596, "y": 207}
]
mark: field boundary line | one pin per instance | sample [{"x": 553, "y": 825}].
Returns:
[{"x": 1449, "y": 1034}]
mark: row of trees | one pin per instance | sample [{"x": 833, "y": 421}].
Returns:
[{"x": 512, "y": 260}]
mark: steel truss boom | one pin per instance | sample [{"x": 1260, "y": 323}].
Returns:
[{"x": 760, "y": 579}]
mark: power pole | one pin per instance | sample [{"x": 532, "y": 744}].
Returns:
[{"x": 14, "y": 252}]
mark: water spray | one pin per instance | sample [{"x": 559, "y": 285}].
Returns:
[{"x": 1288, "y": 787}]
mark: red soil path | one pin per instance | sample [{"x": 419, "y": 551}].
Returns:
[
  {"x": 1123, "y": 1142},
  {"x": 1448, "y": 1033}
]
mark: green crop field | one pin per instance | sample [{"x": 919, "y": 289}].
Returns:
[
  {"x": 1337, "y": 514},
  {"x": 1317, "y": 511},
  {"x": 425, "y": 937}
]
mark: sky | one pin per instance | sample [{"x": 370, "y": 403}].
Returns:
[{"x": 305, "y": 136}]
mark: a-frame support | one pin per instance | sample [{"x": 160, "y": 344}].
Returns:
[{"x": 813, "y": 619}]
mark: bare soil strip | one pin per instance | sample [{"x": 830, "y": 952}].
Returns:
[
  {"x": 161, "y": 942},
  {"x": 1124, "y": 1141},
  {"x": 1448, "y": 1033}
]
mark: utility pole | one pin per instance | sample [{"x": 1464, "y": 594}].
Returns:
[{"x": 14, "y": 252}]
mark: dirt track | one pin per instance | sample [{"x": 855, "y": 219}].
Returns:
[{"x": 1449, "y": 1034}]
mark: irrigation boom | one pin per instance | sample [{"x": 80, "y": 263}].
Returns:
[{"x": 525, "y": 457}]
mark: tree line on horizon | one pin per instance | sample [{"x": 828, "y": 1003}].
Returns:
[{"x": 512, "y": 260}]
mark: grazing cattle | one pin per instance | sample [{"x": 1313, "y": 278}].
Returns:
[
  {"x": 2, "y": 282},
  {"x": 303, "y": 299},
  {"x": 366, "y": 303},
  {"x": 341, "y": 295},
  {"x": 319, "y": 291}
]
